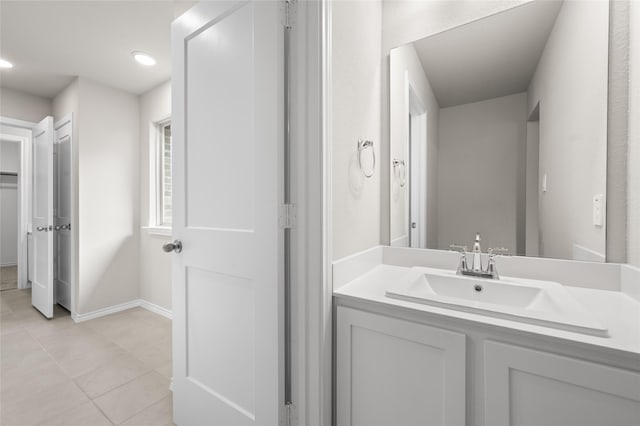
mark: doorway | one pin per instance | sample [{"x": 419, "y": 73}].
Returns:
[
  {"x": 9, "y": 170},
  {"x": 15, "y": 190}
]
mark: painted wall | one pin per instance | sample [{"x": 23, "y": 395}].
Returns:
[
  {"x": 155, "y": 264},
  {"x": 479, "y": 171},
  {"x": 9, "y": 162},
  {"x": 106, "y": 130},
  {"x": 570, "y": 83},
  {"x": 405, "y": 21},
  {"x": 355, "y": 104},
  {"x": 23, "y": 106},
  {"x": 633, "y": 153},
  {"x": 108, "y": 196},
  {"x": 404, "y": 61}
]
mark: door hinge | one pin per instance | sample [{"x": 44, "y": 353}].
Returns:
[
  {"x": 288, "y": 13},
  {"x": 289, "y": 415},
  {"x": 288, "y": 216}
]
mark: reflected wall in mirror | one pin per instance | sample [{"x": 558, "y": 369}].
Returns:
[{"x": 499, "y": 127}]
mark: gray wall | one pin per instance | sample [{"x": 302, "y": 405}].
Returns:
[
  {"x": 479, "y": 171},
  {"x": 355, "y": 106},
  {"x": 23, "y": 106}
]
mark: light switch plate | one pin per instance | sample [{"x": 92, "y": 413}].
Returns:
[{"x": 598, "y": 206}]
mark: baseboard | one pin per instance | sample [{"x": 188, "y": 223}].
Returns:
[
  {"x": 167, "y": 313},
  {"x": 123, "y": 307},
  {"x": 105, "y": 311},
  {"x": 8, "y": 264}
]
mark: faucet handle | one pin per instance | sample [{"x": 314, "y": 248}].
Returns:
[
  {"x": 499, "y": 251},
  {"x": 458, "y": 248}
]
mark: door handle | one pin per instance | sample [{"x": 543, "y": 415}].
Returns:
[
  {"x": 414, "y": 225},
  {"x": 174, "y": 246},
  {"x": 42, "y": 228}
]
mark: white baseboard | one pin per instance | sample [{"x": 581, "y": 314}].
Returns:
[
  {"x": 167, "y": 313},
  {"x": 123, "y": 307},
  {"x": 8, "y": 264}
]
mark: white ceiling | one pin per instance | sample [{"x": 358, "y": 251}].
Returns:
[
  {"x": 492, "y": 57},
  {"x": 52, "y": 42}
]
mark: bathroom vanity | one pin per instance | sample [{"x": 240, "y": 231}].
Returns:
[{"x": 403, "y": 361}]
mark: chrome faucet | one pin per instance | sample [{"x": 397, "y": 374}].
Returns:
[{"x": 476, "y": 269}]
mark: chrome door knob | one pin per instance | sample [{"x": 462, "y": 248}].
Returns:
[{"x": 174, "y": 246}]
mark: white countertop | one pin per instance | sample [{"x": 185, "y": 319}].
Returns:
[{"x": 615, "y": 309}]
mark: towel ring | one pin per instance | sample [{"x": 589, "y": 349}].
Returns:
[
  {"x": 400, "y": 171},
  {"x": 362, "y": 145}
]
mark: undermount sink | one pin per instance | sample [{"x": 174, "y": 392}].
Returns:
[{"x": 543, "y": 303}]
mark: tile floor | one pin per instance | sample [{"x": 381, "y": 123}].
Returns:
[{"x": 113, "y": 370}]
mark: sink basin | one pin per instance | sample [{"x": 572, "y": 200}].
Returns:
[{"x": 537, "y": 302}]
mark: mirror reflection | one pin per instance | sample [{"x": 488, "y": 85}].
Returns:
[{"x": 499, "y": 127}]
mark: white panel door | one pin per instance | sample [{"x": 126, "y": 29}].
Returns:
[
  {"x": 227, "y": 294},
  {"x": 62, "y": 217},
  {"x": 391, "y": 372},
  {"x": 524, "y": 387},
  {"x": 42, "y": 282}
]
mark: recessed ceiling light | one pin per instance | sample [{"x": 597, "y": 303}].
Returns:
[
  {"x": 5, "y": 64},
  {"x": 143, "y": 58}
]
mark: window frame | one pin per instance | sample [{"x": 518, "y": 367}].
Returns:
[{"x": 156, "y": 224}]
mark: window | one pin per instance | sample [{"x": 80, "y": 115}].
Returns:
[
  {"x": 161, "y": 189},
  {"x": 165, "y": 176}
]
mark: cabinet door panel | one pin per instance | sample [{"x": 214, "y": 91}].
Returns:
[
  {"x": 394, "y": 372},
  {"x": 527, "y": 387}
]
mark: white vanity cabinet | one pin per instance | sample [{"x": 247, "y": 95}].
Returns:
[
  {"x": 401, "y": 372},
  {"x": 531, "y": 387},
  {"x": 392, "y": 372}
]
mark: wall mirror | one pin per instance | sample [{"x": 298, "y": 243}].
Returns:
[{"x": 499, "y": 126}]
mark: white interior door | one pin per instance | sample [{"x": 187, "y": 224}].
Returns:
[
  {"x": 42, "y": 282},
  {"x": 62, "y": 212},
  {"x": 227, "y": 293}
]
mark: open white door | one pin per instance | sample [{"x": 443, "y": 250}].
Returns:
[
  {"x": 42, "y": 281},
  {"x": 227, "y": 90},
  {"x": 62, "y": 220}
]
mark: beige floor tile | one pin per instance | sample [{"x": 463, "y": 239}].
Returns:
[
  {"x": 166, "y": 370},
  {"x": 39, "y": 328},
  {"x": 23, "y": 360},
  {"x": 159, "y": 414},
  {"x": 111, "y": 375},
  {"x": 86, "y": 414},
  {"x": 155, "y": 355},
  {"x": 17, "y": 343},
  {"x": 23, "y": 381},
  {"x": 9, "y": 323},
  {"x": 144, "y": 335},
  {"x": 42, "y": 405},
  {"x": 133, "y": 397}
]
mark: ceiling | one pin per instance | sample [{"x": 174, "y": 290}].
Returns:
[
  {"x": 52, "y": 42},
  {"x": 488, "y": 58}
]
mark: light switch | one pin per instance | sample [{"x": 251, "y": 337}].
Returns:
[
  {"x": 544, "y": 182},
  {"x": 598, "y": 205}
]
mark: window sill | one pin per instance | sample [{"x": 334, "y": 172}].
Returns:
[{"x": 158, "y": 230}]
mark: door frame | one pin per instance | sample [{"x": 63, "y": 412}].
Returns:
[
  {"x": 418, "y": 151},
  {"x": 20, "y": 131}
]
